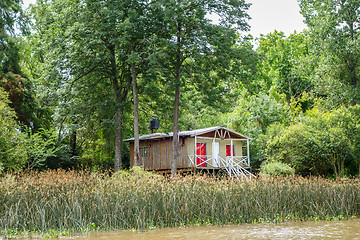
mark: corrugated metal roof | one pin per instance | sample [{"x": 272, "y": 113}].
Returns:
[
  {"x": 150, "y": 136},
  {"x": 191, "y": 133},
  {"x": 197, "y": 131}
]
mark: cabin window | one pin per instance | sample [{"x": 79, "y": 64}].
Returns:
[
  {"x": 228, "y": 150},
  {"x": 244, "y": 149},
  {"x": 144, "y": 152}
]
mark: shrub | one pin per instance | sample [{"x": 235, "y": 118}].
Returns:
[
  {"x": 275, "y": 168},
  {"x": 13, "y": 155},
  {"x": 320, "y": 143}
]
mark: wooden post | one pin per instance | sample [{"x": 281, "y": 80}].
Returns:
[
  {"x": 232, "y": 152},
  {"x": 213, "y": 157},
  {"x": 248, "y": 151},
  {"x": 195, "y": 159}
]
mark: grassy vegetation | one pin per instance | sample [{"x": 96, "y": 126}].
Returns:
[{"x": 62, "y": 202}]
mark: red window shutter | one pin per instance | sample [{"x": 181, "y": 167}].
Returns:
[
  {"x": 228, "y": 151},
  {"x": 201, "y": 154}
]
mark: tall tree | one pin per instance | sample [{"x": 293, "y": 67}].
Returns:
[
  {"x": 10, "y": 16},
  {"x": 190, "y": 36},
  {"x": 281, "y": 65},
  {"x": 13, "y": 24},
  {"x": 140, "y": 24},
  {"x": 334, "y": 27},
  {"x": 85, "y": 59}
]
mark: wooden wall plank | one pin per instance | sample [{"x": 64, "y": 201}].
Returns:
[
  {"x": 155, "y": 147},
  {"x": 131, "y": 154},
  {"x": 167, "y": 159}
]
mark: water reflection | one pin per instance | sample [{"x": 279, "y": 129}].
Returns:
[{"x": 349, "y": 229}]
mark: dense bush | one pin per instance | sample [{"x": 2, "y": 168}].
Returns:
[
  {"x": 319, "y": 143},
  {"x": 13, "y": 154},
  {"x": 275, "y": 168},
  {"x": 20, "y": 149}
]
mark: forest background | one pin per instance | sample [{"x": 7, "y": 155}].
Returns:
[{"x": 74, "y": 72}]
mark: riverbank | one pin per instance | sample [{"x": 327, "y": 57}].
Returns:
[
  {"x": 319, "y": 230},
  {"x": 62, "y": 203}
]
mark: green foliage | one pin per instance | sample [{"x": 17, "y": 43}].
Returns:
[
  {"x": 275, "y": 168},
  {"x": 334, "y": 30},
  {"x": 85, "y": 51},
  {"x": 13, "y": 154},
  {"x": 10, "y": 14},
  {"x": 297, "y": 146},
  {"x": 40, "y": 147},
  {"x": 97, "y": 151},
  {"x": 21, "y": 96},
  {"x": 320, "y": 143},
  {"x": 12, "y": 78},
  {"x": 281, "y": 65},
  {"x": 69, "y": 81},
  {"x": 252, "y": 116},
  {"x": 20, "y": 149}
]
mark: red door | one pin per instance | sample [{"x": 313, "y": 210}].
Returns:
[
  {"x": 201, "y": 154},
  {"x": 228, "y": 150}
]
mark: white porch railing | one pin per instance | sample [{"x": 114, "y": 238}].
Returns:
[
  {"x": 201, "y": 160},
  {"x": 241, "y": 160},
  {"x": 233, "y": 165}
]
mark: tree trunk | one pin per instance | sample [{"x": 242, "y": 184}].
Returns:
[
  {"x": 73, "y": 147},
  {"x": 335, "y": 170},
  {"x": 175, "y": 142},
  {"x": 121, "y": 93},
  {"x": 175, "y": 132},
  {"x": 342, "y": 168},
  {"x": 136, "y": 116},
  {"x": 73, "y": 143},
  {"x": 118, "y": 140}
]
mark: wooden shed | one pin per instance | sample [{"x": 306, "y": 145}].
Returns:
[{"x": 208, "y": 148}]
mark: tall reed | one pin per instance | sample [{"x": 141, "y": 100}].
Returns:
[{"x": 76, "y": 201}]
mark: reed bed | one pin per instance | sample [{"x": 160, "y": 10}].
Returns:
[{"x": 77, "y": 201}]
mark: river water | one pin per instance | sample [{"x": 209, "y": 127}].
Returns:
[{"x": 346, "y": 229}]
